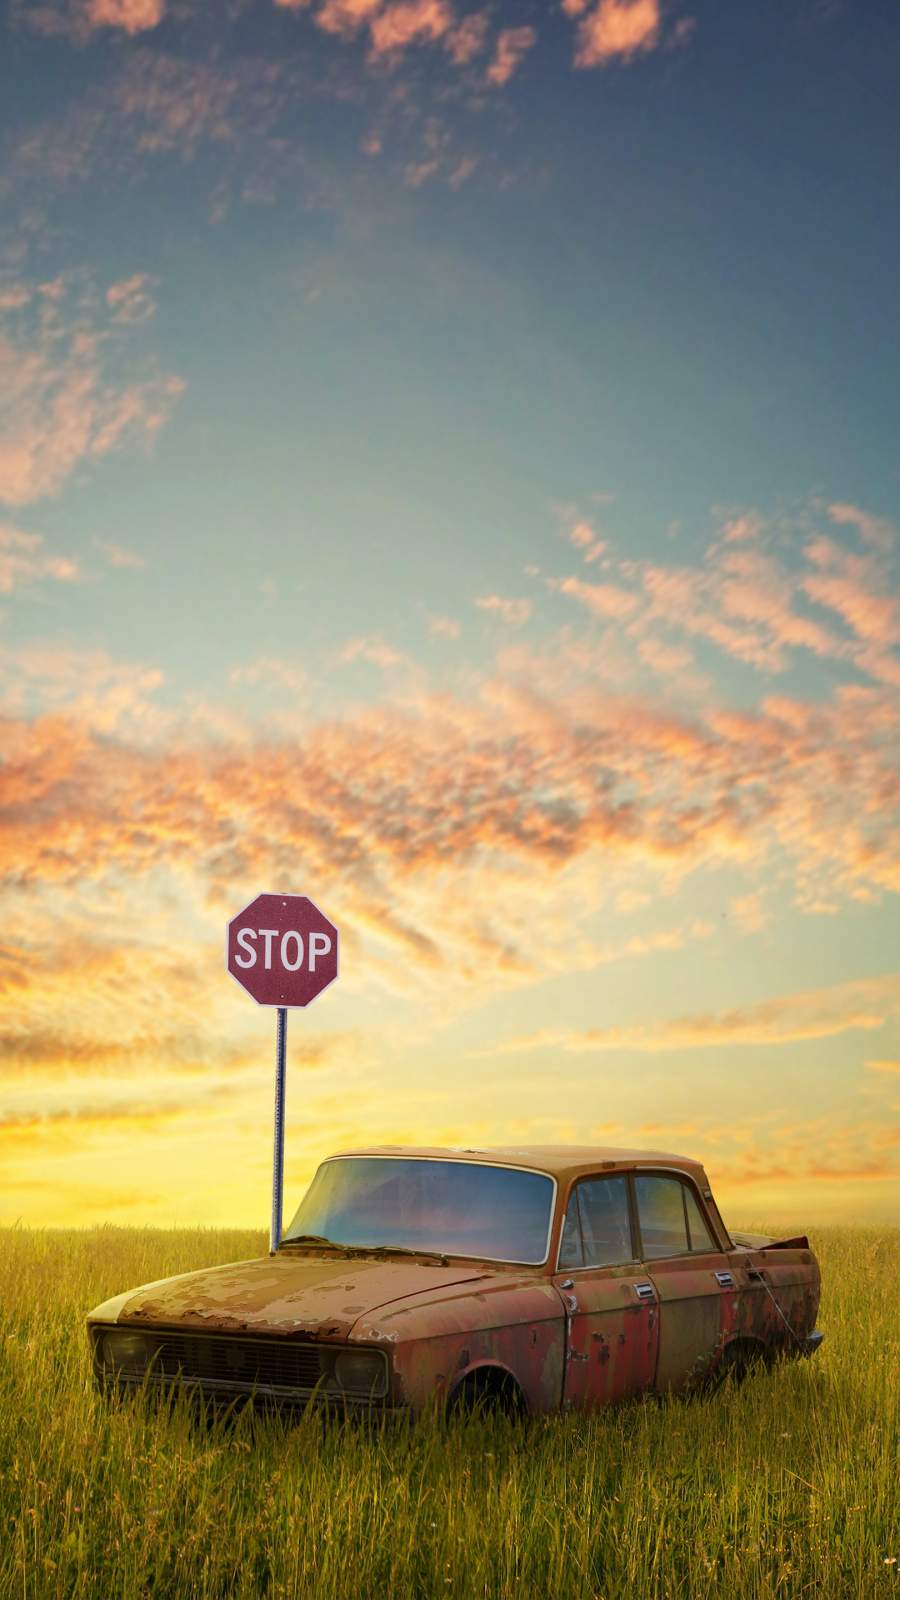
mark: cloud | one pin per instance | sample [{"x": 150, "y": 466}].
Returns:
[
  {"x": 874, "y": 531},
  {"x": 602, "y": 599},
  {"x": 409, "y": 22},
  {"x": 64, "y": 401},
  {"x": 892, "y": 1066},
  {"x": 809, "y": 1014},
  {"x": 130, "y": 300},
  {"x": 375, "y": 650},
  {"x": 78, "y": 19},
  {"x": 616, "y": 30},
  {"x": 467, "y": 39},
  {"x": 749, "y": 601},
  {"x": 511, "y": 611},
  {"x": 582, "y": 535},
  {"x": 24, "y": 561},
  {"x": 511, "y": 46}
]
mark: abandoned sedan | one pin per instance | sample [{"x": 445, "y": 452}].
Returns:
[{"x": 553, "y": 1276}]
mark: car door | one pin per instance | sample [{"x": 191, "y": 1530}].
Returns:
[
  {"x": 610, "y": 1301},
  {"x": 690, "y": 1273}
]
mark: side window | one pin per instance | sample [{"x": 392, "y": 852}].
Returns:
[
  {"x": 570, "y": 1251},
  {"x": 605, "y": 1222},
  {"x": 597, "y": 1230},
  {"x": 661, "y": 1215},
  {"x": 698, "y": 1227}
]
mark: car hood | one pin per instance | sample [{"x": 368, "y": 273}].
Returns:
[{"x": 316, "y": 1295}]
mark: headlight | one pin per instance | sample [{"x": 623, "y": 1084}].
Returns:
[
  {"x": 361, "y": 1372},
  {"x": 123, "y": 1352}
]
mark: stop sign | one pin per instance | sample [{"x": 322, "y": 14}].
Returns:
[{"x": 282, "y": 950}]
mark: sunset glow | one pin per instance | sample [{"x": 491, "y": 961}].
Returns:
[{"x": 448, "y": 468}]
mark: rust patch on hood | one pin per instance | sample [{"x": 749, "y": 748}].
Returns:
[{"x": 315, "y": 1296}]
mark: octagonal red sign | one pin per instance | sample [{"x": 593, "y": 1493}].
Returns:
[{"x": 282, "y": 950}]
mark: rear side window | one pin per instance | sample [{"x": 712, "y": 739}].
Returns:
[
  {"x": 698, "y": 1228},
  {"x": 597, "y": 1230},
  {"x": 661, "y": 1215},
  {"x": 671, "y": 1221}
]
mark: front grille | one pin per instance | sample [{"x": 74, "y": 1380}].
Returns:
[{"x": 247, "y": 1362}]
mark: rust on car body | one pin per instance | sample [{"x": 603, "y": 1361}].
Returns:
[{"x": 639, "y": 1287}]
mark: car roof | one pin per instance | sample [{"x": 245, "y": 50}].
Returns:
[{"x": 561, "y": 1160}]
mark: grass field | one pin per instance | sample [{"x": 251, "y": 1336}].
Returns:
[{"x": 785, "y": 1486}]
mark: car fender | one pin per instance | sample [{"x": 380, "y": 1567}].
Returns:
[{"x": 432, "y": 1345}]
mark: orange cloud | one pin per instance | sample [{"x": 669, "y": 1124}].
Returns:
[
  {"x": 617, "y": 29},
  {"x": 409, "y": 22},
  {"x": 884, "y": 1066}
]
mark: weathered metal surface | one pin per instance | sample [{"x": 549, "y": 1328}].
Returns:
[
  {"x": 611, "y": 1336},
  {"x": 318, "y": 1297},
  {"x": 513, "y": 1323},
  {"x": 582, "y": 1338}
]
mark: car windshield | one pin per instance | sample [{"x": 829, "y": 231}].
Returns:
[{"x": 458, "y": 1208}]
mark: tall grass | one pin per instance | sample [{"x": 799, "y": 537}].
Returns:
[{"x": 785, "y": 1486}]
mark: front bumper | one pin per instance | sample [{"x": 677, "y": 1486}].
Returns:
[{"x": 222, "y": 1396}]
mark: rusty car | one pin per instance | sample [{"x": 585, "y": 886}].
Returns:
[{"x": 543, "y": 1278}]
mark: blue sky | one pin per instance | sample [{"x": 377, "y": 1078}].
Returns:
[{"x": 448, "y": 461}]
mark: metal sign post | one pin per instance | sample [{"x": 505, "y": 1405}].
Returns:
[
  {"x": 284, "y": 952},
  {"x": 278, "y": 1154}
]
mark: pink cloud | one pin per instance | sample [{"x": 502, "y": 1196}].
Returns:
[
  {"x": 512, "y": 44},
  {"x": 617, "y": 29},
  {"x": 874, "y": 618},
  {"x": 602, "y": 599}
]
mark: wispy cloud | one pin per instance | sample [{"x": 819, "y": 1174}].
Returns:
[
  {"x": 510, "y": 610},
  {"x": 64, "y": 400},
  {"x": 25, "y": 561},
  {"x": 810, "y": 1014}
]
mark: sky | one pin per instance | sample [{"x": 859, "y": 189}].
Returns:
[{"x": 448, "y": 468}]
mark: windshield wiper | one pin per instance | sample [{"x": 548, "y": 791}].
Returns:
[
  {"x": 393, "y": 1249},
  {"x": 312, "y": 1238},
  {"x": 364, "y": 1249}
]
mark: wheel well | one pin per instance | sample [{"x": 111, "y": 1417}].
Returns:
[{"x": 491, "y": 1388}]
